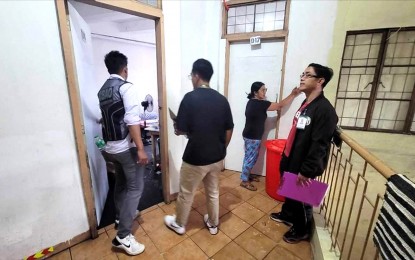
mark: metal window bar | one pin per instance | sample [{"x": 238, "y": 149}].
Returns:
[
  {"x": 352, "y": 205},
  {"x": 396, "y": 50},
  {"x": 253, "y": 4}
]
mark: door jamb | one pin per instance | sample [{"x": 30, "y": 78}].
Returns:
[
  {"x": 133, "y": 8},
  {"x": 244, "y": 37}
]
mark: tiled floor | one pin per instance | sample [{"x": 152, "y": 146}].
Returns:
[{"x": 246, "y": 232}]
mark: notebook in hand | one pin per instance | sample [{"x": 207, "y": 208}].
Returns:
[{"x": 312, "y": 194}]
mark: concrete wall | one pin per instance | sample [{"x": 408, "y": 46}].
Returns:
[
  {"x": 396, "y": 150},
  {"x": 141, "y": 65},
  {"x": 192, "y": 31},
  {"x": 311, "y": 28},
  {"x": 42, "y": 203},
  {"x": 364, "y": 15}
]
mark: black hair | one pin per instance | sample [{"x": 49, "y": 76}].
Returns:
[
  {"x": 255, "y": 88},
  {"x": 322, "y": 72},
  {"x": 115, "y": 62},
  {"x": 203, "y": 68}
]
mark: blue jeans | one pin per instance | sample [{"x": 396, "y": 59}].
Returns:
[{"x": 129, "y": 186}]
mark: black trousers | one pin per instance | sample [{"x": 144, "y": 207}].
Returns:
[{"x": 300, "y": 214}]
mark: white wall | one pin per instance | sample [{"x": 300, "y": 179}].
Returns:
[
  {"x": 142, "y": 64},
  {"x": 192, "y": 31},
  {"x": 113, "y": 29},
  {"x": 309, "y": 40},
  {"x": 42, "y": 202}
]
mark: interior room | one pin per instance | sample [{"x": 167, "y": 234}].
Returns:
[{"x": 95, "y": 32}]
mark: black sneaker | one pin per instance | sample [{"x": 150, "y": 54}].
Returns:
[
  {"x": 293, "y": 237},
  {"x": 280, "y": 217}
]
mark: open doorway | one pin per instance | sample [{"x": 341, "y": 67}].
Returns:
[{"x": 96, "y": 31}]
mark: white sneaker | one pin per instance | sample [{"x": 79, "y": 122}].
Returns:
[
  {"x": 128, "y": 244},
  {"x": 213, "y": 230},
  {"x": 170, "y": 222}
]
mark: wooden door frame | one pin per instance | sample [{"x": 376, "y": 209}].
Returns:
[
  {"x": 133, "y": 8},
  {"x": 244, "y": 37}
]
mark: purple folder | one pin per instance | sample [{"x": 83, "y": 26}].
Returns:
[{"x": 312, "y": 194}]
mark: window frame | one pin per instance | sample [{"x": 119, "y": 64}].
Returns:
[
  {"x": 282, "y": 33},
  {"x": 386, "y": 32}
]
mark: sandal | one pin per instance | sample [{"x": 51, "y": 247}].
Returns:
[
  {"x": 248, "y": 185},
  {"x": 254, "y": 178}
]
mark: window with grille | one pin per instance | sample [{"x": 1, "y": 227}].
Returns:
[
  {"x": 259, "y": 17},
  {"x": 376, "y": 84},
  {"x": 153, "y": 3}
]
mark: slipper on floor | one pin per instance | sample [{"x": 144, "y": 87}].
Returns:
[
  {"x": 248, "y": 186},
  {"x": 254, "y": 178}
]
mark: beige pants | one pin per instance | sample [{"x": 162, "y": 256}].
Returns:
[{"x": 190, "y": 178}]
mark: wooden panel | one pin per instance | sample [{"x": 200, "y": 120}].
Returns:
[
  {"x": 226, "y": 83},
  {"x": 64, "y": 30},
  {"x": 163, "y": 120},
  {"x": 128, "y": 7},
  {"x": 242, "y": 2},
  {"x": 239, "y": 37},
  {"x": 287, "y": 15},
  {"x": 70, "y": 243},
  {"x": 224, "y": 21},
  {"x": 286, "y": 23}
]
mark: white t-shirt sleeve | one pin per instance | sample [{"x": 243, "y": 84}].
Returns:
[{"x": 129, "y": 94}]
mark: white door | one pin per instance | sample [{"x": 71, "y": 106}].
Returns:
[
  {"x": 88, "y": 88},
  {"x": 247, "y": 65}
]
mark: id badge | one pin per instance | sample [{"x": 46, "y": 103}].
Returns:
[{"x": 302, "y": 122}]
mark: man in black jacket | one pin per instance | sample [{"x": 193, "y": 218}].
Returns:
[{"x": 307, "y": 149}]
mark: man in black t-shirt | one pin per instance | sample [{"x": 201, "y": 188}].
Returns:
[{"x": 205, "y": 117}]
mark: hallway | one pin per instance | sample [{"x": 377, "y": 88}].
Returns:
[{"x": 246, "y": 232}]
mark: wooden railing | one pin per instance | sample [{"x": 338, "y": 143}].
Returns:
[{"x": 357, "y": 183}]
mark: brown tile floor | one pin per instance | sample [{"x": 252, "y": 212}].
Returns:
[{"x": 245, "y": 231}]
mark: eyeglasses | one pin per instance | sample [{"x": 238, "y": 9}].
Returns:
[
  {"x": 305, "y": 75},
  {"x": 264, "y": 89}
]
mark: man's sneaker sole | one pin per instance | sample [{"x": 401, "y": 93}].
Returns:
[
  {"x": 117, "y": 244},
  {"x": 172, "y": 228},
  {"x": 281, "y": 221},
  {"x": 212, "y": 230},
  {"x": 306, "y": 237},
  {"x": 169, "y": 225}
]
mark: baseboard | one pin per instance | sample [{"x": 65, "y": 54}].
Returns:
[
  {"x": 70, "y": 243},
  {"x": 321, "y": 240}
]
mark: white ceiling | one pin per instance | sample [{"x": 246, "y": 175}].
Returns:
[{"x": 92, "y": 14}]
